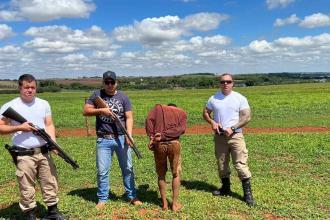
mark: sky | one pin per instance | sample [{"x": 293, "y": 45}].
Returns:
[{"x": 84, "y": 38}]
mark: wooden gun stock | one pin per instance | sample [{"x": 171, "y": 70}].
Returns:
[{"x": 99, "y": 102}]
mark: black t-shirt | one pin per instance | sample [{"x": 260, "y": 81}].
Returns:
[{"x": 118, "y": 103}]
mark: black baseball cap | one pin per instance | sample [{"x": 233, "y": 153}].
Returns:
[{"x": 109, "y": 74}]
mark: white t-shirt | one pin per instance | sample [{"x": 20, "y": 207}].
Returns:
[
  {"x": 34, "y": 112},
  {"x": 226, "y": 108}
]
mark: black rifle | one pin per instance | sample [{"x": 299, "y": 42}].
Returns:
[
  {"x": 12, "y": 114},
  {"x": 102, "y": 104}
]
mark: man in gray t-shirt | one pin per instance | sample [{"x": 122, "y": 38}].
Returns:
[{"x": 110, "y": 138}]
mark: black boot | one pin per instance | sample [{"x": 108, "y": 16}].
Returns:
[
  {"x": 225, "y": 188},
  {"x": 54, "y": 214},
  {"x": 248, "y": 198},
  {"x": 30, "y": 215}
]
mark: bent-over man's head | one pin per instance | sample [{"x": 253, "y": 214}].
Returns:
[{"x": 172, "y": 104}]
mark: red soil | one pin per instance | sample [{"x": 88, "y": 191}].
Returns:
[{"x": 197, "y": 129}]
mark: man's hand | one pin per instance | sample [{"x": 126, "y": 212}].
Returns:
[
  {"x": 216, "y": 127},
  {"x": 128, "y": 141},
  {"x": 26, "y": 127},
  {"x": 228, "y": 132},
  {"x": 107, "y": 112},
  {"x": 55, "y": 151},
  {"x": 151, "y": 144},
  {"x": 158, "y": 137}
]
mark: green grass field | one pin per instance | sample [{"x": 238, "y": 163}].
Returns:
[
  {"x": 290, "y": 180},
  {"x": 290, "y": 170},
  {"x": 272, "y": 106}
]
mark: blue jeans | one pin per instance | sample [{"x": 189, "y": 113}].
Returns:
[{"x": 104, "y": 153}]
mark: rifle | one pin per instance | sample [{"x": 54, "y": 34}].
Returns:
[
  {"x": 102, "y": 104},
  {"x": 12, "y": 114}
]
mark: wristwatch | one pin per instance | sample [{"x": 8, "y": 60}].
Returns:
[{"x": 233, "y": 128}]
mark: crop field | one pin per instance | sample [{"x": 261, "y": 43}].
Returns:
[{"x": 290, "y": 170}]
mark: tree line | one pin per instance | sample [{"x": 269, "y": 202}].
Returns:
[{"x": 195, "y": 80}]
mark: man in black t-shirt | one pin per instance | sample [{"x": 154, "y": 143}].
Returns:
[{"x": 110, "y": 138}]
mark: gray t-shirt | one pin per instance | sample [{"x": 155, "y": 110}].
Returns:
[{"x": 118, "y": 103}]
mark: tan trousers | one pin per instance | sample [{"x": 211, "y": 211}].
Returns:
[
  {"x": 28, "y": 169},
  {"x": 236, "y": 147}
]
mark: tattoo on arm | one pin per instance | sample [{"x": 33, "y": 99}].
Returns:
[
  {"x": 244, "y": 118},
  {"x": 207, "y": 115}
]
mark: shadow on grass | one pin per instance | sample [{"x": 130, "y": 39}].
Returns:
[
  {"x": 198, "y": 185},
  {"x": 203, "y": 186},
  {"x": 13, "y": 211},
  {"x": 89, "y": 194},
  {"x": 146, "y": 195}
]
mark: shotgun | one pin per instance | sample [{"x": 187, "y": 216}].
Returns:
[
  {"x": 99, "y": 102},
  {"x": 12, "y": 114}
]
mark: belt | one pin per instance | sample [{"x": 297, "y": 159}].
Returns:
[
  {"x": 21, "y": 151},
  {"x": 169, "y": 141},
  {"x": 106, "y": 135},
  {"x": 223, "y": 134}
]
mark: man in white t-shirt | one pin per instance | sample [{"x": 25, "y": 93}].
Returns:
[
  {"x": 231, "y": 112},
  {"x": 33, "y": 160}
]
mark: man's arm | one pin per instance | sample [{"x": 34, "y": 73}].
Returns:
[
  {"x": 129, "y": 122},
  {"x": 244, "y": 118},
  {"x": 207, "y": 116},
  {"x": 150, "y": 128},
  {"x": 90, "y": 110},
  {"x": 50, "y": 127},
  {"x": 7, "y": 128}
]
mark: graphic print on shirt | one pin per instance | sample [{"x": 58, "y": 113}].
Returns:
[{"x": 116, "y": 107}]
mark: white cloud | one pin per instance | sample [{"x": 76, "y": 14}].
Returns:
[
  {"x": 203, "y": 21},
  {"x": 62, "y": 39},
  {"x": 261, "y": 46},
  {"x": 10, "y": 49},
  {"x": 47, "y": 10},
  {"x": 272, "y": 4},
  {"x": 159, "y": 29},
  {"x": 168, "y": 28},
  {"x": 315, "y": 20},
  {"x": 216, "y": 53},
  {"x": 5, "y": 31},
  {"x": 129, "y": 55},
  {"x": 72, "y": 58},
  {"x": 217, "y": 40},
  {"x": 9, "y": 16},
  {"x": 104, "y": 54},
  {"x": 305, "y": 42},
  {"x": 150, "y": 30},
  {"x": 290, "y": 20},
  {"x": 44, "y": 45}
]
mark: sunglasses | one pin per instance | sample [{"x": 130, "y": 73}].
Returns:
[
  {"x": 226, "y": 82},
  {"x": 107, "y": 82}
]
